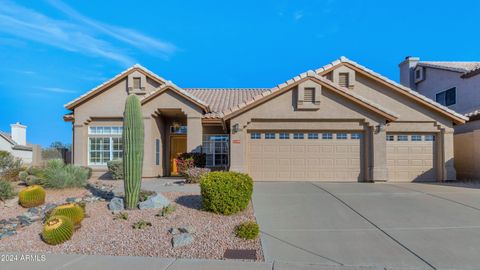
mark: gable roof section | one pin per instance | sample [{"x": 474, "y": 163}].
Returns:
[
  {"x": 221, "y": 99},
  {"x": 281, "y": 88},
  {"x": 171, "y": 86},
  {"x": 104, "y": 86},
  {"x": 7, "y": 137},
  {"x": 456, "y": 117},
  {"x": 462, "y": 67},
  {"x": 15, "y": 146}
]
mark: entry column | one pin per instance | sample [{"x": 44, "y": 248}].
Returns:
[
  {"x": 445, "y": 145},
  {"x": 194, "y": 134}
]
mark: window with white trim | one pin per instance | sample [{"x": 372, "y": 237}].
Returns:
[
  {"x": 255, "y": 136},
  {"x": 270, "y": 136},
  {"x": 390, "y": 138},
  {"x": 356, "y": 136},
  {"x": 216, "y": 149},
  {"x": 104, "y": 144},
  {"x": 429, "y": 138},
  {"x": 298, "y": 136},
  {"x": 284, "y": 136},
  {"x": 312, "y": 136},
  {"x": 327, "y": 136},
  {"x": 416, "y": 138},
  {"x": 402, "y": 138},
  {"x": 342, "y": 136}
]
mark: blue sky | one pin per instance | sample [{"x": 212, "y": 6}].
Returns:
[{"x": 53, "y": 51}]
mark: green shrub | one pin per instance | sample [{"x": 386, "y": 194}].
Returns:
[
  {"x": 6, "y": 190},
  {"x": 33, "y": 180},
  {"x": 142, "y": 224},
  {"x": 121, "y": 216},
  {"x": 23, "y": 176},
  {"x": 10, "y": 166},
  {"x": 167, "y": 210},
  {"x": 193, "y": 175},
  {"x": 35, "y": 171},
  {"x": 89, "y": 170},
  {"x": 115, "y": 168},
  {"x": 59, "y": 176},
  {"x": 226, "y": 192},
  {"x": 247, "y": 230}
]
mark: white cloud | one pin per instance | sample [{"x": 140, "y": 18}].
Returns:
[
  {"x": 83, "y": 36},
  {"x": 298, "y": 15},
  {"x": 56, "y": 90}
]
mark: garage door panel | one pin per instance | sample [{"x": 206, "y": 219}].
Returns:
[
  {"x": 305, "y": 159},
  {"x": 411, "y": 160}
]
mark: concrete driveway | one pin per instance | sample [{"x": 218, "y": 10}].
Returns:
[{"x": 405, "y": 225}]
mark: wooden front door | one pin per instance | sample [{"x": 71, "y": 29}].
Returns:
[{"x": 178, "y": 145}]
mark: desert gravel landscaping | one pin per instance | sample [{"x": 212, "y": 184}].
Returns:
[{"x": 100, "y": 234}]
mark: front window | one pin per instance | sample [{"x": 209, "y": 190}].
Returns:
[
  {"x": 216, "y": 150},
  {"x": 447, "y": 97},
  {"x": 104, "y": 144}
]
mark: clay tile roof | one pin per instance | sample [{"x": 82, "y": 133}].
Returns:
[
  {"x": 463, "y": 67},
  {"x": 221, "y": 99}
]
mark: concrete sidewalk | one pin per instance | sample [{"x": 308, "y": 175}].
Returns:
[{"x": 87, "y": 262}]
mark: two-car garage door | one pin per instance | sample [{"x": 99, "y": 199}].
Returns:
[
  {"x": 305, "y": 156},
  {"x": 336, "y": 156}
]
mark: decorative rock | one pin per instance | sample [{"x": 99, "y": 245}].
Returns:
[
  {"x": 157, "y": 201},
  {"x": 70, "y": 200},
  {"x": 187, "y": 229},
  {"x": 182, "y": 239},
  {"x": 174, "y": 231},
  {"x": 116, "y": 205},
  {"x": 33, "y": 210}
]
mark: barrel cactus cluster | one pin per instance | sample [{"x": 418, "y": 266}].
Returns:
[
  {"x": 62, "y": 222},
  {"x": 57, "y": 229},
  {"x": 133, "y": 137},
  {"x": 71, "y": 210},
  {"x": 31, "y": 196}
]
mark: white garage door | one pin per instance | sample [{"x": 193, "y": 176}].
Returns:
[
  {"x": 411, "y": 157},
  {"x": 305, "y": 156}
]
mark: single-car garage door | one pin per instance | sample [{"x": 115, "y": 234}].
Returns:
[
  {"x": 411, "y": 157},
  {"x": 305, "y": 156}
]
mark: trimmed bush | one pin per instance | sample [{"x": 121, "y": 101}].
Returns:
[
  {"x": 193, "y": 175},
  {"x": 247, "y": 230},
  {"x": 71, "y": 210},
  {"x": 31, "y": 196},
  {"x": 57, "y": 230},
  {"x": 6, "y": 190},
  {"x": 35, "y": 171},
  {"x": 33, "y": 180},
  {"x": 115, "y": 168},
  {"x": 59, "y": 176},
  {"x": 226, "y": 192}
]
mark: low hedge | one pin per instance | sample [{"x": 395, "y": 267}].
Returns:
[
  {"x": 226, "y": 192},
  {"x": 247, "y": 230}
]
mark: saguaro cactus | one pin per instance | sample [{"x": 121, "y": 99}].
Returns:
[{"x": 133, "y": 136}]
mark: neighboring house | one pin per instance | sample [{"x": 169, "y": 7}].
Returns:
[
  {"x": 455, "y": 85},
  {"x": 342, "y": 122},
  {"x": 16, "y": 143}
]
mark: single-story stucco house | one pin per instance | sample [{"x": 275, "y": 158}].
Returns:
[{"x": 341, "y": 122}]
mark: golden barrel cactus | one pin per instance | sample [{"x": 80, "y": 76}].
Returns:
[
  {"x": 31, "y": 196},
  {"x": 71, "y": 210},
  {"x": 57, "y": 229}
]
